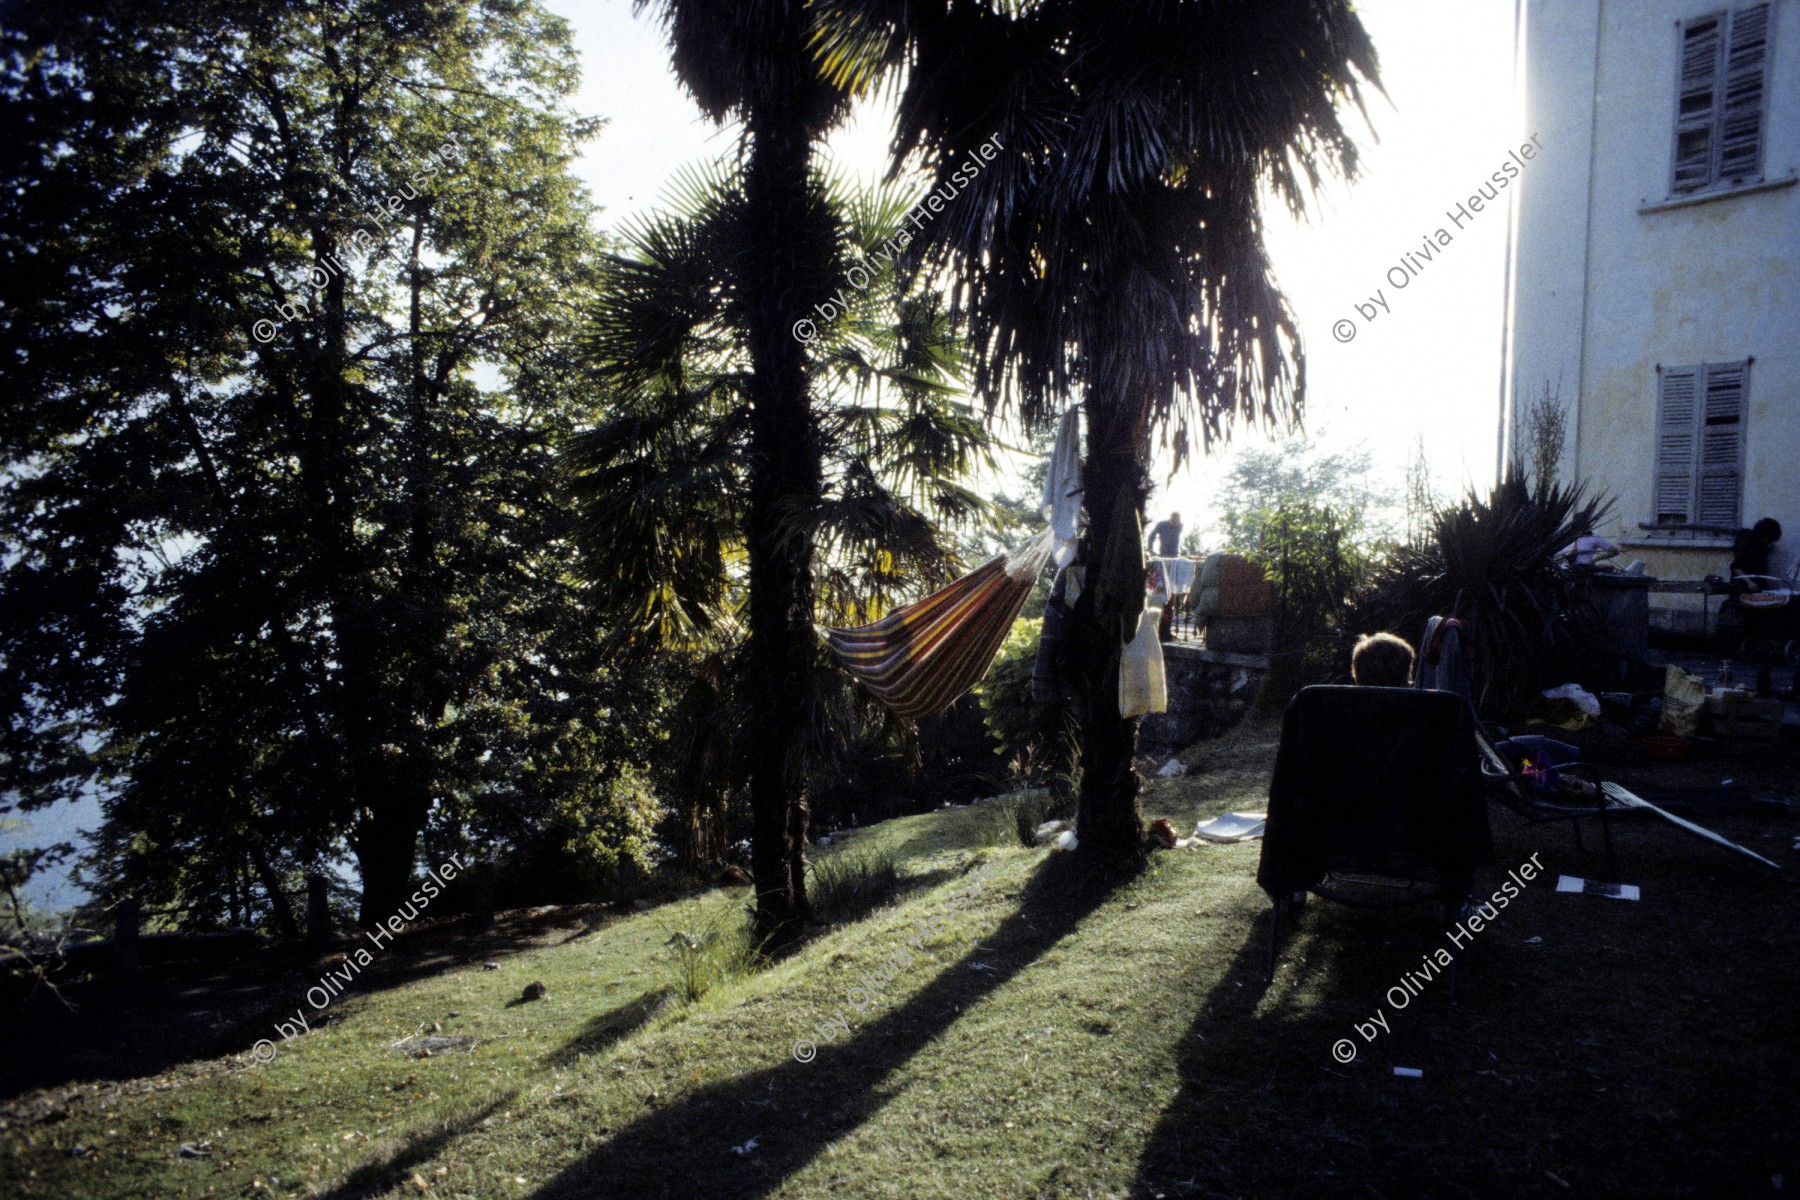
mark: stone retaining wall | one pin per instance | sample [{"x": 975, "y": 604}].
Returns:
[{"x": 1209, "y": 692}]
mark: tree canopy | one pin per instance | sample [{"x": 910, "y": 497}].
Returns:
[{"x": 284, "y": 328}]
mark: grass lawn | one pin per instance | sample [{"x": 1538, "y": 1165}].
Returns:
[{"x": 997, "y": 1032}]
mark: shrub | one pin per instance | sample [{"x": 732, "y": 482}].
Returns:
[
  {"x": 1315, "y": 566},
  {"x": 1487, "y": 562},
  {"x": 1008, "y": 819},
  {"x": 598, "y": 843},
  {"x": 613, "y": 828},
  {"x": 1021, "y": 815},
  {"x": 1035, "y": 736}
]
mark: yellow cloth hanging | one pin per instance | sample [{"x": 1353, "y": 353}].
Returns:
[{"x": 1143, "y": 683}]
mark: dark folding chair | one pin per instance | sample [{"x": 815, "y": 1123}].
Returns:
[
  {"x": 1512, "y": 789},
  {"x": 1442, "y": 664},
  {"x": 1375, "y": 803},
  {"x": 1608, "y": 799}
]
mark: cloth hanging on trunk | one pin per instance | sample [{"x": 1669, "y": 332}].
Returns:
[
  {"x": 920, "y": 658},
  {"x": 1440, "y": 666},
  {"x": 1051, "y": 673},
  {"x": 1118, "y": 576},
  {"x": 1061, "y": 506},
  {"x": 1124, "y": 611}
]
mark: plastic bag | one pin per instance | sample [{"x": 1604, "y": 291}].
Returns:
[
  {"x": 1577, "y": 695},
  {"x": 1683, "y": 694}
]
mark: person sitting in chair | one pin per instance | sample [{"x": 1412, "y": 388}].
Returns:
[
  {"x": 1750, "y": 551},
  {"x": 1589, "y": 551},
  {"x": 1381, "y": 660}
]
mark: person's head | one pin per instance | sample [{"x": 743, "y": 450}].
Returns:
[
  {"x": 1381, "y": 660},
  {"x": 1176, "y": 518},
  {"x": 1767, "y": 530}
]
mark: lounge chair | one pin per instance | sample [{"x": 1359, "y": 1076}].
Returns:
[
  {"x": 1375, "y": 803},
  {"x": 1611, "y": 799},
  {"x": 1511, "y": 788}
]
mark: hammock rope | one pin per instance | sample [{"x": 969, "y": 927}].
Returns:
[{"x": 918, "y": 659}]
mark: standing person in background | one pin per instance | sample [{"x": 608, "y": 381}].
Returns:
[{"x": 1165, "y": 537}]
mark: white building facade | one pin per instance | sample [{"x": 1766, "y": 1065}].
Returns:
[{"x": 1655, "y": 281}]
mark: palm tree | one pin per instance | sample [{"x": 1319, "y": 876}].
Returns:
[
  {"x": 667, "y": 483},
  {"x": 749, "y": 60},
  {"x": 1112, "y": 249}
]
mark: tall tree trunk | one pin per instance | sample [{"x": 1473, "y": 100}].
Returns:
[
  {"x": 378, "y": 687},
  {"x": 318, "y": 909},
  {"x": 785, "y": 476},
  {"x": 234, "y": 900},
  {"x": 392, "y": 651},
  {"x": 279, "y": 908},
  {"x": 1108, "y": 819},
  {"x": 386, "y": 843}
]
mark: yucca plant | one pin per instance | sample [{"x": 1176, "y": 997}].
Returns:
[
  {"x": 721, "y": 949},
  {"x": 1486, "y": 561}
]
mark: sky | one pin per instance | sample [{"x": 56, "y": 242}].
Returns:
[{"x": 1423, "y": 359}]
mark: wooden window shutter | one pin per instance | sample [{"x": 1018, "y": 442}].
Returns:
[
  {"x": 1697, "y": 102},
  {"x": 1722, "y": 443},
  {"x": 1677, "y": 416},
  {"x": 1741, "y": 118}
]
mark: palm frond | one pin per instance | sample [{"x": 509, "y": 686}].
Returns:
[
  {"x": 662, "y": 483},
  {"x": 1113, "y": 245}
]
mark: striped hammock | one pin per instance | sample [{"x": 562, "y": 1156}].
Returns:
[{"x": 920, "y": 658}]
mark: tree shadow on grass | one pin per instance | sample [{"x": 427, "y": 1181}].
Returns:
[
  {"x": 388, "y": 1169},
  {"x": 610, "y": 1027},
  {"x": 615, "y": 1025},
  {"x": 176, "y": 1013},
  {"x": 796, "y": 1109},
  {"x": 1266, "y": 1106}
]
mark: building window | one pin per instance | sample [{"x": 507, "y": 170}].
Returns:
[
  {"x": 1719, "y": 99},
  {"x": 1700, "y": 443}
]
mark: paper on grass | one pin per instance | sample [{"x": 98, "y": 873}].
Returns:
[
  {"x": 1594, "y": 887},
  {"x": 1232, "y": 827}
]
